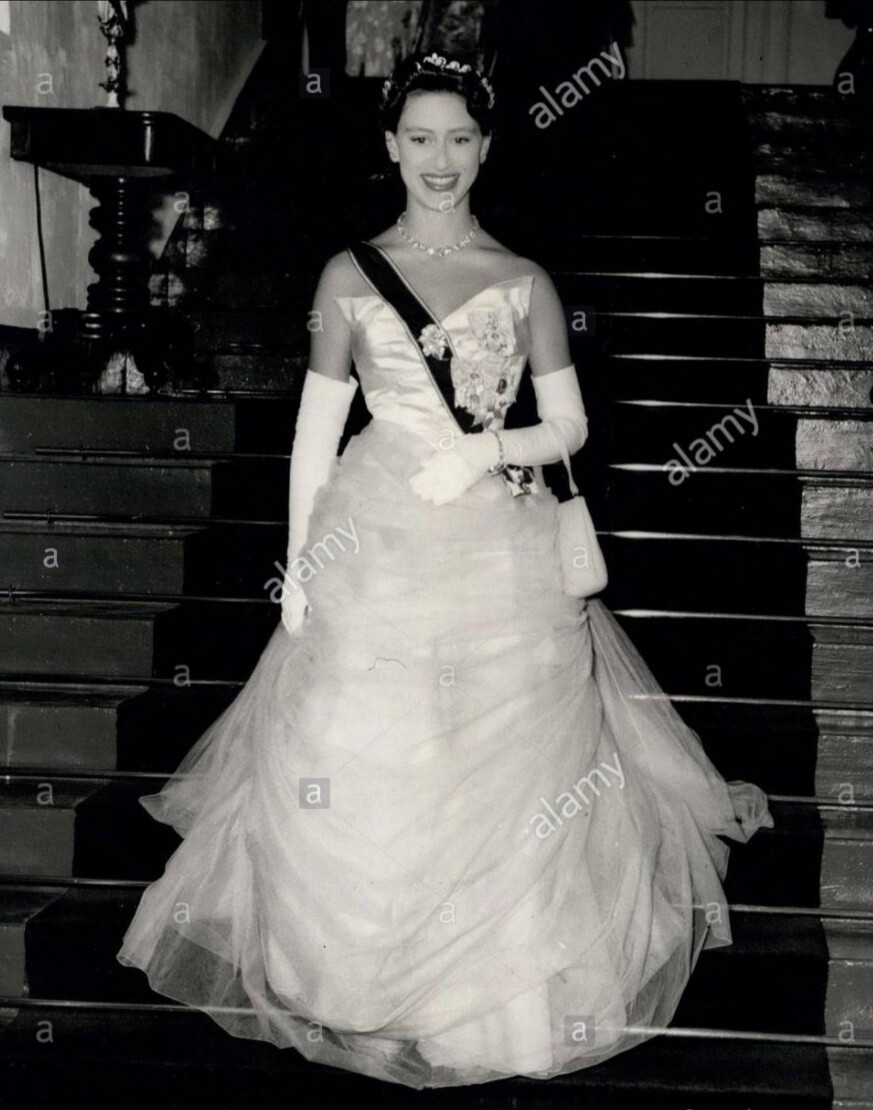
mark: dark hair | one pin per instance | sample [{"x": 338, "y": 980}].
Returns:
[{"x": 419, "y": 73}]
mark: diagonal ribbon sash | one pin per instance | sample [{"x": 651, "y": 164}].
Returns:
[{"x": 384, "y": 278}]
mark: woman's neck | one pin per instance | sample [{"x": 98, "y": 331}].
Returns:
[{"x": 435, "y": 228}]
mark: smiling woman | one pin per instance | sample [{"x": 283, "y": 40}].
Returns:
[{"x": 379, "y": 867}]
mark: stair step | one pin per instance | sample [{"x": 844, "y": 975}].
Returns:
[
  {"x": 731, "y": 501},
  {"x": 680, "y": 378},
  {"x": 56, "y": 728},
  {"x": 104, "y": 727},
  {"x": 638, "y": 333},
  {"x": 54, "y": 828},
  {"x": 852, "y": 1078},
  {"x": 149, "y": 1057},
  {"x": 848, "y": 341},
  {"x": 748, "y": 435},
  {"x": 823, "y": 386},
  {"x": 818, "y": 101},
  {"x": 247, "y": 488},
  {"x": 844, "y": 767},
  {"x": 262, "y": 370},
  {"x": 37, "y": 825},
  {"x": 823, "y": 130},
  {"x": 139, "y": 559},
  {"x": 815, "y": 224},
  {"x": 818, "y": 857},
  {"x": 651, "y": 254},
  {"x": 173, "y": 426},
  {"x": 71, "y": 943},
  {"x": 811, "y": 190},
  {"x": 798, "y": 383},
  {"x": 786, "y": 155},
  {"x": 274, "y": 327},
  {"x": 831, "y": 511},
  {"x": 849, "y": 1008},
  {"x": 661, "y": 571},
  {"x": 755, "y": 657},
  {"x": 82, "y": 639},
  {"x": 817, "y": 259},
  {"x": 134, "y": 640},
  {"x": 714, "y": 295},
  {"x": 839, "y": 583},
  {"x": 818, "y": 298},
  {"x": 17, "y": 907}
]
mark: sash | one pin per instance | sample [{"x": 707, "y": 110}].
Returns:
[{"x": 384, "y": 279}]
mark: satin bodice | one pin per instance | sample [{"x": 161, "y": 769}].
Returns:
[{"x": 488, "y": 342}]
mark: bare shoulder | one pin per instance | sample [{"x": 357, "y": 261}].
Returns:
[
  {"x": 543, "y": 291},
  {"x": 340, "y": 277},
  {"x": 507, "y": 263}
]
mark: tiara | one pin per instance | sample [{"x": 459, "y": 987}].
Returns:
[{"x": 437, "y": 63}]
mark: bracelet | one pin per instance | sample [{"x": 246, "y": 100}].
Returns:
[{"x": 501, "y": 460}]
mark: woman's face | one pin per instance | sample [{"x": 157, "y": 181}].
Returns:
[{"x": 439, "y": 147}]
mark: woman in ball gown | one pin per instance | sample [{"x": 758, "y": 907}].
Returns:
[{"x": 451, "y": 830}]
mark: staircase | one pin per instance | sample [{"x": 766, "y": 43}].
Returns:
[{"x": 714, "y": 261}]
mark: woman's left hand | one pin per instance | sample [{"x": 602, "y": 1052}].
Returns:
[{"x": 446, "y": 474}]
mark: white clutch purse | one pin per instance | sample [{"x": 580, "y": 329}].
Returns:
[{"x": 583, "y": 567}]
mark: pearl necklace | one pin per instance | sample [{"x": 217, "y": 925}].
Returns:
[{"x": 436, "y": 252}]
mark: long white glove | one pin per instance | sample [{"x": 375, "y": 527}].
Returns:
[
  {"x": 324, "y": 409},
  {"x": 448, "y": 473}
]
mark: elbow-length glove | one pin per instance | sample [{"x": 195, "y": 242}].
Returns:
[
  {"x": 324, "y": 409},
  {"x": 562, "y": 428}
]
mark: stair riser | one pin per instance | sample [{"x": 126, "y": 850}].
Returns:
[
  {"x": 88, "y": 971},
  {"x": 830, "y": 512},
  {"x": 741, "y": 436},
  {"x": 642, "y": 256},
  {"x": 738, "y": 578},
  {"x": 93, "y": 563},
  {"x": 821, "y": 386},
  {"x": 847, "y": 873},
  {"x": 820, "y": 224},
  {"x": 808, "y": 260},
  {"x": 779, "y": 158},
  {"x": 844, "y": 768},
  {"x": 12, "y": 960},
  {"x": 149, "y": 730},
  {"x": 244, "y": 489},
  {"x": 849, "y": 1010},
  {"x": 804, "y": 299},
  {"x": 813, "y": 190},
  {"x": 731, "y": 504},
  {"x": 724, "y": 657},
  {"x": 177, "y": 428},
  {"x": 626, "y": 378},
  {"x": 849, "y": 343},
  {"x": 76, "y": 645},
  {"x": 752, "y": 659},
  {"x": 841, "y": 588},
  {"x": 710, "y": 297},
  {"x": 179, "y": 643},
  {"x": 67, "y": 736},
  {"x": 37, "y": 841},
  {"x": 728, "y": 338},
  {"x": 843, "y": 672},
  {"x": 230, "y": 563},
  {"x": 106, "y": 488}
]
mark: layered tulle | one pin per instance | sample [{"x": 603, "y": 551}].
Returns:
[{"x": 451, "y": 830}]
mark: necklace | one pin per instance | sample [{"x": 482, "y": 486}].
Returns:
[{"x": 436, "y": 252}]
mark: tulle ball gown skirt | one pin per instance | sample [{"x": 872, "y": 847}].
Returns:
[{"x": 450, "y": 830}]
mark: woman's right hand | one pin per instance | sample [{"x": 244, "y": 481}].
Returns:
[{"x": 294, "y": 606}]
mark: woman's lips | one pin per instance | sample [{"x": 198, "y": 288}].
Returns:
[{"x": 440, "y": 183}]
